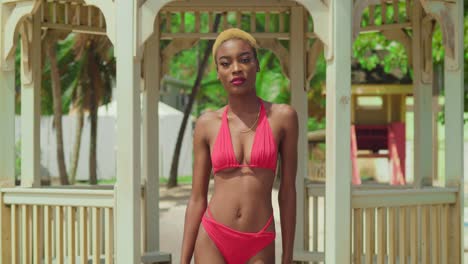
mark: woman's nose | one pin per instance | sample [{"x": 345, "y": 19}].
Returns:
[{"x": 236, "y": 67}]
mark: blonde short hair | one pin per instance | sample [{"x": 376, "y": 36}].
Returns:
[{"x": 234, "y": 33}]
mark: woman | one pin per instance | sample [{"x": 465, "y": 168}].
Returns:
[{"x": 240, "y": 143}]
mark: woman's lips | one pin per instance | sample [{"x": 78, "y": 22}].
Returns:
[{"x": 238, "y": 81}]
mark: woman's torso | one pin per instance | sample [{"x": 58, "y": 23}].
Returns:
[{"x": 242, "y": 195}]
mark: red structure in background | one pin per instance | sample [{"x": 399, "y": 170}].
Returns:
[{"x": 374, "y": 138}]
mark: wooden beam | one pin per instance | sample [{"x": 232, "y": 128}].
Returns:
[
  {"x": 297, "y": 75},
  {"x": 338, "y": 114},
  {"x": 128, "y": 191},
  {"x": 150, "y": 147},
  {"x": 31, "y": 102}
]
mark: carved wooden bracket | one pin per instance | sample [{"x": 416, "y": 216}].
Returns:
[
  {"x": 321, "y": 15},
  {"x": 176, "y": 46},
  {"x": 12, "y": 15},
  {"x": 26, "y": 29},
  {"x": 445, "y": 12},
  {"x": 312, "y": 57},
  {"x": 427, "y": 30},
  {"x": 358, "y": 9},
  {"x": 402, "y": 37},
  {"x": 107, "y": 8},
  {"x": 279, "y": 50}
]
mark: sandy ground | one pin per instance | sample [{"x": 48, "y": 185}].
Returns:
[{"x": 172, "y": 212}]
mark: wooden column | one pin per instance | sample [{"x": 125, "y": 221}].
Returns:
[
  {"x": 150, "y": 147},
  {"x": 338, "y": 156},
  {"x": 454, "y": 142},
  {"x": 7, "y": 150},
  {"x": 7, "y": 119},
  {"x": 299, "y": 102},
  {"x": 422, "y": 106},
  {"x": 127, "y": 189},
  {"x": 31, "y": 69}
]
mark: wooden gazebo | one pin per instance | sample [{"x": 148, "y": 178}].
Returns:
[{"x": 121, "y": 224}]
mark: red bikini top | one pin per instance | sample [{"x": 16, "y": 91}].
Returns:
[{"x": 263, "y": 153}]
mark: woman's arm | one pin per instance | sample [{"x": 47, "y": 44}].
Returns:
[
  {"x": 198, "y": 198},
  {"x": 287, "y": 191}
]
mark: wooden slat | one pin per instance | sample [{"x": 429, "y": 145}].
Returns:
[
  {"x": 267, "y": 22},
  {"x": 5, "y": 231},
  {"x": 253, "y": 22},
  {"x": 182, "y": 22},
  {"x": 101, "y": 20},
  {"x": 238, "y": 19},
  {"x": 396, "y": 11},
  {"x": 444, "y": 234},
  {"x": 48, "y": 235},
  {"x": 370, "y": 234},
  {"x": 197, "y": 22},
  {"x": 54, "y": 13},
  {"x": 90, "y": 16},
  {"x": 66, "y": 11},
  {"x": 15, "y": 234},
  {"x": 414, "y": 235},
  {"x": 225, "y": 21},
  {"x": 382, "y": 235},
  {"x": 371, "y": 15},
  {"x": 71, "y": 234},
  {"x": 358, "y": 241},
  {"x": 408, "y": 10},
  {"x": 210, "y": 22},
  {"x": 425, "y": 236},
  {"x": 25, "y": 234},
  {"x": 59, "y": 250},
  {"x": 383, "y": 5},
  {"x": 315, "y": 217},
  {"x": 36, "y": 239},
  {"x": 281, "y": 22},
  {"x": 78, "y": 15},
  {"x": 83, "y": 235},
  {"x": 392, "y": 241},
  {"x": 435, "y": 234},
  {"x": 109, "y": 231},
  {"x": 168, "y": 21},
  {"x": 402, "y": 241},
  {"x": 96, "y": 234}
]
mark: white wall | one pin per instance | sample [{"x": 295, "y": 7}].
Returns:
[{"x": 106, "y": 147}]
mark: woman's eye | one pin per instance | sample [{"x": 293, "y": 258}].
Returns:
[
  {"x": 224, "y": 64},
  {"x": 245, "y": 60}
]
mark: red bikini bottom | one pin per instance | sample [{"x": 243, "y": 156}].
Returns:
[{"x": 235, "y": 246}]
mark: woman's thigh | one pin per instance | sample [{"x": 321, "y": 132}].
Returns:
[
  {"x": 266, "y": 256},
  {"x": 206, "y": 250}
]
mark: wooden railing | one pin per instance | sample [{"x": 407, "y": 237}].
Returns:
[
  {"x": 390, "y": 224},
  {"x": 56, "y": 225},
  {"x": 405, "y": 226}
]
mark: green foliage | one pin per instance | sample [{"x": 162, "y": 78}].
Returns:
[
  {"x": 313, "y": 124},
  {"x": 17, "y": 160}
]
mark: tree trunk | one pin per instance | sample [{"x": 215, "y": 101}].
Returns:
[
  {"x": 93, "y": 69},
  {"x": 188, "y": 109},
  {"x": 78, "y": 133},
  {"x": 57, "y": 97}
]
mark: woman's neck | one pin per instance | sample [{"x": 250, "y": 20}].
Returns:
[{"x": 244, "y": 104}]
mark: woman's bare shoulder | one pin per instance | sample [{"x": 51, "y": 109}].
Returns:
[
  {"x": 208, "y": 121},
  {"x": 282, "y": 111}
]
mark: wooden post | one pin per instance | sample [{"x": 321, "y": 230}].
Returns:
[
  {"x": 338, "y": 156},
  {"x": 422, "y": 107},
  {"x": 7, "y": 119},
  {"x": 150, "y": 141},
  {"x": 454, "y": 133},
  {"x": 31, "y": 104},
  {"x": 127, "y": 189},
  {"x": 299, "y": 102}
]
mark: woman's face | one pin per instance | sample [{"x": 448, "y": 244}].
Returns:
[{"x": 237, "y": 66}]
